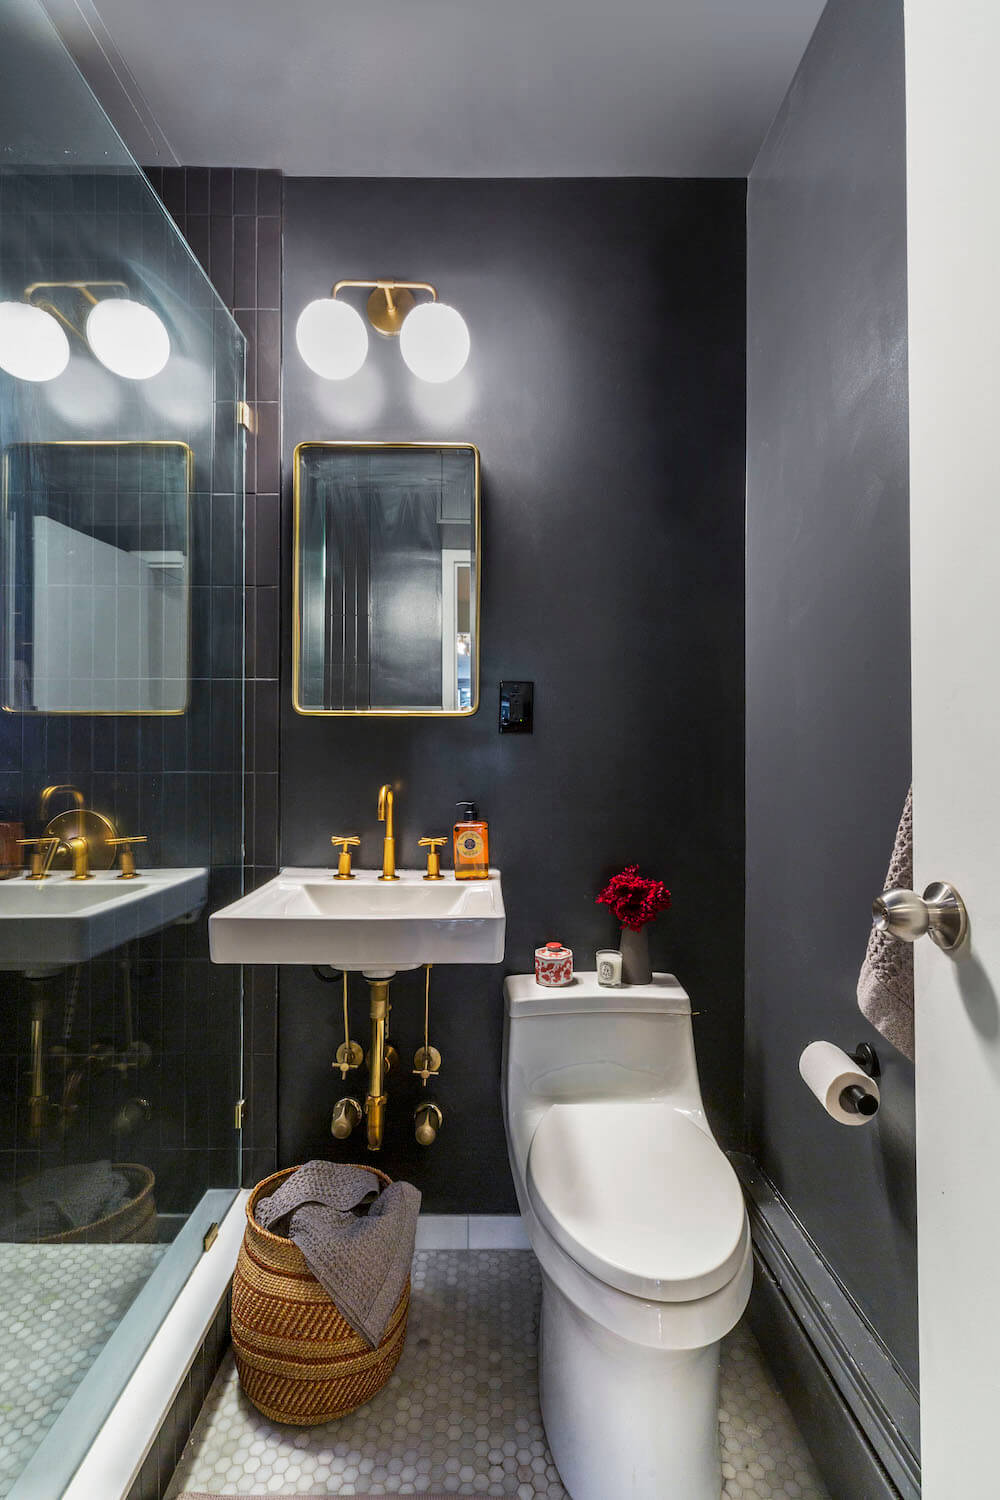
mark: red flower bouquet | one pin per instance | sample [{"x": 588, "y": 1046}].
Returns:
[{"x": 634, "y": 899}]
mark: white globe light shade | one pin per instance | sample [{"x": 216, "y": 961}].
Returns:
[
  {"x": 128, "y": 338},
  {"x": 32, "y": 344},
  {"x": 434, "y": 341},
  {"x": 332, "y": 338}
]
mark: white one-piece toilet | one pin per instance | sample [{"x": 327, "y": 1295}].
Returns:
[{"x": 640, "y": 1228}]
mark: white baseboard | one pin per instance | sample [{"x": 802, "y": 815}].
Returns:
[{"x": 471, "y": 1232}]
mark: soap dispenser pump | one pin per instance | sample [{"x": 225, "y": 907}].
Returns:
[{"x": 472, "y": 846}]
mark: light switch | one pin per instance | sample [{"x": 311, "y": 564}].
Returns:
[{"x": 517, "y": 701}]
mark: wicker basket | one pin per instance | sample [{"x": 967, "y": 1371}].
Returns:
[
  {"x": 135, "y": 1224},
  {"x": 299, "y": 1361}
]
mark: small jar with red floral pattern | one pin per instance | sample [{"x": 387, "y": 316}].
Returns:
[{"x": 553, "y": 965}]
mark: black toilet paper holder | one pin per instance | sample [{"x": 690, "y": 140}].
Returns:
[
  {"x": 866, "y": 1058},
  {"x": 855, "y": 1099}
]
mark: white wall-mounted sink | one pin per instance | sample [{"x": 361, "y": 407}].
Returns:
[
  {"x": 48, "y": 923},
  {"x": 308, "y": 917}
]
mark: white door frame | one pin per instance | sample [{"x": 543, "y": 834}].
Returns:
[{"x": 953, "y": 229}]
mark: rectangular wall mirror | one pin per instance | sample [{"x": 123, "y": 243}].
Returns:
[
  {"x": 96, "y": 546},
  {"x": 386, "y": 578}
]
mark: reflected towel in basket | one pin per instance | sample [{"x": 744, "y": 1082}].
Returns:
[{"x": 361, "y": 1259}]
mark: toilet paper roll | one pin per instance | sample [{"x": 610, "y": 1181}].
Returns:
[{"x": 829, "y": 1073}]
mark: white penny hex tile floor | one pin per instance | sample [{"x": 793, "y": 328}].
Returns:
[
  {"x": 461, "y": 1414},
  {"x": 61, "y": 1305}
]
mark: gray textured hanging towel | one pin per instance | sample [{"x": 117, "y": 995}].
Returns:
[
  {"x": 885, "y": 984},
  {"x": 360, "y": 1258}
]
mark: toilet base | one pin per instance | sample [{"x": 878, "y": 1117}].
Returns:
[{"x": 623, "y": 1420}]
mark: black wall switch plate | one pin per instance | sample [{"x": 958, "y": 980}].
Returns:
[{"x": 517, "y": 701}]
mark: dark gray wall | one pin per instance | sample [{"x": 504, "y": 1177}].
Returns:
[
  {"x": 828, "y": 718},
  {"x": 606, "y": 392}
]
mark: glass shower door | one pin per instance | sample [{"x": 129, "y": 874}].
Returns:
[{"x": 121, "y": 712}]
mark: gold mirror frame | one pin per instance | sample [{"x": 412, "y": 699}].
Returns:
[
  {"x": 105, "y": 713},
  {"x": 375, "y": 713}
]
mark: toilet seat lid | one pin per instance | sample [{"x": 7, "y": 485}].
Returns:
[{"x": 640, "y": 1196}]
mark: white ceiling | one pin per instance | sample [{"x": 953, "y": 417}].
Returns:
[{"x": 444, "y": 88}]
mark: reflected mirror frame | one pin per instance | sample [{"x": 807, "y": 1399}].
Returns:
[
  {"x": 107, "y": 713},
  {"x": 374, "y": 713}
]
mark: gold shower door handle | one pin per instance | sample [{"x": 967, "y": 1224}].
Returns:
[{"x": 940, "y": 913}]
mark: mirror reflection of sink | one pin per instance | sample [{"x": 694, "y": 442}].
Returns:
[
  {"x": 56, "y": 921},
  {"x": 306, "y": 916}
]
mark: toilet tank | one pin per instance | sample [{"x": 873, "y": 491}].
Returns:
[{"x": 588, "y": 1041}]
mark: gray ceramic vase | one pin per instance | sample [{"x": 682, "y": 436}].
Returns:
[{"x": 634, "y": 947}]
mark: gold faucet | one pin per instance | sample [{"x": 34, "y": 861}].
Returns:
[
  {"x": 80, "y": 850},
  {"x": 53, "y": 791},
  {"x": 385, "y": 805}
]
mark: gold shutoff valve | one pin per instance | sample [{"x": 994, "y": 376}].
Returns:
[
  {"x": 349, "y": 1054},
  {"x": 427, "y": 1120},
  {"x": 427, "y": 1117},
  {"x": 344, "y": 871},
  {"x": 346, "y": 1115}
]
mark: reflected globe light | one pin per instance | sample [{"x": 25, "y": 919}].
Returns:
[
  {"x": 85, "y": 396},
  {"x": 32, "y": 344},
  {"x": 332, "y": 338},
  {"x": 128, "y": 338},
  {"x": 434, "y": 342}
]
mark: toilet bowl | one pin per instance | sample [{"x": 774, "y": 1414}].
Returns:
[{"x": 638, "y": 1223}]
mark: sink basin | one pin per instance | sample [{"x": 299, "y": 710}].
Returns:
[
  {"x": 45, "y": 924},
  {"x": 378, "y": 927}
]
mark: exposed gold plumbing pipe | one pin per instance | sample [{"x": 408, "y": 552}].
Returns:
[
  {"x": 38, "y": 1102},
  {"x": 375, "y": 1101},
  {"x": 52, "y": 791}
]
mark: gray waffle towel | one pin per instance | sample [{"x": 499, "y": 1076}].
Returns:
[
  {"x": 360, "y": 1259},
  {"x": 885, "y": 984}
]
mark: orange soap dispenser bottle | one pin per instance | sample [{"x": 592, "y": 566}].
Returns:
[{"x": 472, "y": 844}]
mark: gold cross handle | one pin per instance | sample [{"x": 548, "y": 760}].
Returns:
[
  {"x": 127, "y": 858},
  {"x": 344, "y": 863},
  {"x": 433, "y": 858}
]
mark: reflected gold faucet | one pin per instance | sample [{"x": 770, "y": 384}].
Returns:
[
  {"x": 385, "y": 806},
  {"x": 80, "y": 850},
  {"x": 53, "y": 791}
]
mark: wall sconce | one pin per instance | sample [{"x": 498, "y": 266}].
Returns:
[
  {"x": 433, "y": 337},
  {"x": 127, "y": 337}
]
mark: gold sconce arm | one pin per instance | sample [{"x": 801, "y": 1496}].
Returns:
[
  {"x": 81, "y": 288},
  {"x": 382, "y": 284},
  {"x": 390, "y": 302}
]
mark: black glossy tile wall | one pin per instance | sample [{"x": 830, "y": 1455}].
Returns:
[
  {"x": 613, "y": 508},
  {"x": 232, "y": 220},
  {"x": 177, "y": 779},
  {"x": 164, "y": 1455}
]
